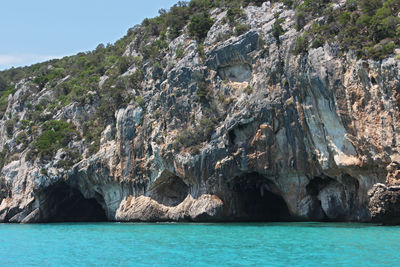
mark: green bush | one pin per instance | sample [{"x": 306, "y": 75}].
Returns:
[
  {"x": 91, "y": 131},
  {"x": 317, "y": 43},
  {"x": 3, "y": 84},
  {"x": 140, "y": 102},
  {"x": 277, "y": 29},
  {"x": 22, "y": 138},
  {"x": 235, "y": 13},
  {"x": 3, "y": 157},
  {"x": 300, "y": 20},
  {"x": 369, "y": 7},
  {"x": 248, "y": 90},
  {"x": 44, "y": 172},
  {"x": 47, "y": 75},
  {"x": 255, "y": 2},
  {"x": 203, "y": 90},
  {"x": 200, "y": 50},
  {"x": 123, "y": 64},
  {"x": 193, "y": 137},
  {"x": 55, "y": 135},
  {"x": 70, "y": 158},
  {"x": 134, "y": 81},
  {"x": 4, "y": 98},
  {"x": 177, "y": 18},
  {"x": 301, "y": 45},
  {"x": 200, "y": 25},
  {"x": 241, "y": 29},
  {"x": 180, "y": 52},
  {"x": 9, "y": 125},
  {"x": 360, "y": 26}
]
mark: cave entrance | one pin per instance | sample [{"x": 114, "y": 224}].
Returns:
[
  {"x": 257, "y": 200},
  {"x": 334, "y": 199},
  {"x": 66, "y": 204},
  {"x": 169, "y": 190}
]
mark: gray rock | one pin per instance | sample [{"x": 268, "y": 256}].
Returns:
[
  {"x": 311, "y": 133},
  {"x": 384, "y": 204}
]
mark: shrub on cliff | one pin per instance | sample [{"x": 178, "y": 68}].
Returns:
[
  {"x": 3, "y": 157},
  {"x": 200, "y": 25},
  {"x": 9, "y": 126},
  {"x": 369, "y": 28},
  {"x": 3, "y": 84},
  {"x": 177, "y": 18},
  {"x": 49, "y": 75},
  {"x": 55, "y": 135},
  {"x": 277, "y": 29},
  {"x": 4, "y": 98},
  {"x": 70, "y": 158},
  {"x": 235, "y": 13},
  {"x": 301, "y": 44},
  {"x": 241, "y": 29},
  {"x": 255, "y": 2},
  {"x": 191, "y": 138}
]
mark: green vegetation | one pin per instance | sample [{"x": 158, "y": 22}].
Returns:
[
  {"x": 4, "y": 97},
  {"x": 241, "y": 29},
  {"x": 254, "y": 2},
  {"x": 3, "y": 155},
  {"x": 180, "y": 52},
  {"x": 248, "y": 90},
  {"x": 277, "y": 29},
  {"x": 371, "y": 28},
  {"x": 70, "y": 158},
  {"x": 301, "y": 44},
  {"x": 200, "y": 50},
  {"x": 46, "y": 75},
  {"x": 200, "y": 25},
  {"x": 44, "y": 172},
  {"x": 190, "y": 138},
  {"x": 91, "y": 130},
  {"x": 55, "y": 135},
  {"x": 140, "y": 102},
  {"x": 234, "y": 13},
  {"x": 203, "y": 91},
  {"x": 9, "y": 125},
  {"x": 22, "y": 138}
]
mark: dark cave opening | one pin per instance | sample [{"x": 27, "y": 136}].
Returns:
[
  {"x": 66, "y": 204},
  {"x": 313, "y": 188},
  {"x": 334, "y": 199},
  {"x": 373, "y": 80},
  {"x": 169, "y": 191},
  {"x": 257, "y": 200}
]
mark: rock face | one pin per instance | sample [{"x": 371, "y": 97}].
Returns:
[
  {"x": 297, "y": 137},
  {"x": 385, "y": 204},
  {"x": 205, "y": 208}
]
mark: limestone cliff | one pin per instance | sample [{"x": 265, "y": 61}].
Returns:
[{"x": 239, "y": 129}]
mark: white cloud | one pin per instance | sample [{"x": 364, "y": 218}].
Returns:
[{"x": 8, "y": 61}]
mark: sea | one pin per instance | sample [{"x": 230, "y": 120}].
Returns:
[{"x": 177, "y": 244}]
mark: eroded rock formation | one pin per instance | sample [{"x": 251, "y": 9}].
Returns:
[
  {"x": 298, "y": 137},
  {"x": 385, "y": 204}
]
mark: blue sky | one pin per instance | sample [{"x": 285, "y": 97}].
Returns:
[{"x": 36, "y": 30}]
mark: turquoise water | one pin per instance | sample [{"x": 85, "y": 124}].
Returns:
[{"x": 115, "y": 244}]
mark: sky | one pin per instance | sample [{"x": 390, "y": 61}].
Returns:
[{"x": 32, "y": 31}]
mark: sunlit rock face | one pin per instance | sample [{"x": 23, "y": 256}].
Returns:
[{"x": 296, "y": 137}]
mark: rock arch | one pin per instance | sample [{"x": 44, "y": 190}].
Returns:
[{"x": 169, "y": 190}]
